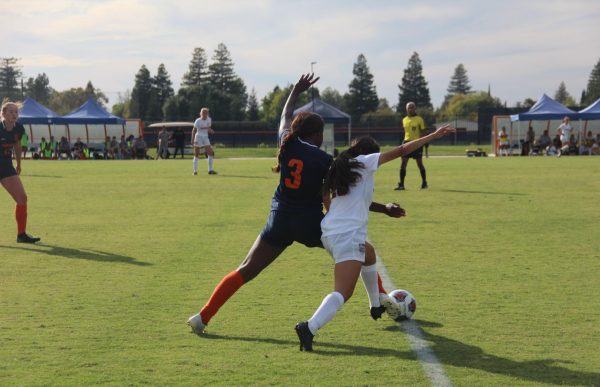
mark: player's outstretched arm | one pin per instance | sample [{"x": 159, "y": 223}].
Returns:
[
  {"x": 303, "y": 84},
  {"x": 409, "y": 147},
  {"x": 391, "y": 209}
]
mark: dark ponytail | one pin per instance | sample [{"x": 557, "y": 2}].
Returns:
[
  {"x": 304, "y": 125},
  {"x": 343, "y": 171}
]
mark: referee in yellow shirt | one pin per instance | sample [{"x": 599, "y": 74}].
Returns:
[{"x": 414, "y": 128}]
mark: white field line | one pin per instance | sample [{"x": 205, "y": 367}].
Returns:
[{"x": 430, "y": 363}]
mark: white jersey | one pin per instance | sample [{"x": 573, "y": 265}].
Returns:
[
  {"x": 202, "y": 126},
  {"x": 566, "y": 130},
  {"x": 350, "y": 212}
]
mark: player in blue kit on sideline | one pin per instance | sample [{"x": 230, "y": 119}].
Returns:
[
  {"x": 10, "y": 142},
  {"x": 297, "y": 205}
]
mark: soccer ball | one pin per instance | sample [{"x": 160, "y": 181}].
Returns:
[{"x": 406, "y": 302}]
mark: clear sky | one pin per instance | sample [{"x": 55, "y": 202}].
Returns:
[{"x": 520, "y": 48}]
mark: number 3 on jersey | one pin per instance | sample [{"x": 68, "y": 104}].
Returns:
[{"x": 296, "y": 174}]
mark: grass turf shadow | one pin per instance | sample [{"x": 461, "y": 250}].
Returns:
[
  {"x": 462, "y": 355},
  {"x": 450, "y": 352},
  {"x": 65, "y": 252}
]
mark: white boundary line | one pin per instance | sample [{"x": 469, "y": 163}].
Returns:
[{"x": 430, "y": 363}]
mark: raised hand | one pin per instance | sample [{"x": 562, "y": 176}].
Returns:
[
  {"x": 444, "y": 130},
  {"x": 305, "y": 82}
]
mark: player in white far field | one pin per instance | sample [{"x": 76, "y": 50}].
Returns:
[
  {"x": 564, "y": 130},
  {"x": 202, "y": 128}
]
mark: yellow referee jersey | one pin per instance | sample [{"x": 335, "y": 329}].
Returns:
[{"x": 413, "y": 126}]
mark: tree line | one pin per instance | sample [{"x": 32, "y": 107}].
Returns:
[{"x": 216, "y": 85}]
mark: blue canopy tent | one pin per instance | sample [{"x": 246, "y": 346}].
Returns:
[
  {"x": 92, "y": 113},
  {"x": 91, "y": 117},
  {"x": 329, "y": 113},
  {"x": 32, "y": 112},
  {"x": 37, "y": 120},
  {"x": 591, "y": 112},
  {"x": 545, "y": 109}
]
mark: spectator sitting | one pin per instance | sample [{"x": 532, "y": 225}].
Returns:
[
  {"x": 595, "y": 149},
  {"x": 114, "y": 148},
  {"x": 107, "y": 149},
  {"x": 44, "y": 151},
  {"x": 140, "y": 148},
  {"x": 64, "y": 148},
  {"x": 554, "y": 147},
  {"x": 544, "y": 142},
  {"x": 123, "y": 149},
  {"x": 569, "y": 148},
  {"x": 53, "y": 148},
  {"x": 586, "y": 144},
  {"x": 130, "y": 141},
  {"x": 573, "y": 147},
  {"x": 78, "y": 149}
]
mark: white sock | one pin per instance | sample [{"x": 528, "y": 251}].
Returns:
[
  {"x": 369, "y": 278},
  {"x": 210, "y": 163},
  {"x": 328, "y": 308},
  {"x": 195, "y": 164}
]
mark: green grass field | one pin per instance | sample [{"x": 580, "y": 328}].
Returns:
[
  {"x": 434, "y": 150},
  {"x": 502, "y": 255}
]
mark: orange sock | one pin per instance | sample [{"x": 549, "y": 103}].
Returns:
[
  {"x": 225, "y": 289},
  {"x": 21, "y": 216},
  {"x": 380, "y": 284}
]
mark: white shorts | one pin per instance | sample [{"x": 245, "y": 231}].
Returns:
[
  {"x": 345, "y": 247},
  {"x": 201, "y": 140}
]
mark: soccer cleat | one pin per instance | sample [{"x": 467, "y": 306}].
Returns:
[
  {"x": 212, "y": 172},
  {"x": 195, "y": 173},
  {"x": 195, "y": 322},
  {"x": 24, "y": 238},
  {"x": 400, "y": 187},
  {"x": 305, "y": 336},
  {"x": 391, "y": 307},
  {"x": 377, "y": 311},
  {"x": 424, "y": 185}
]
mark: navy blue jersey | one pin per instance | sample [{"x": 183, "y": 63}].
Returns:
[
  {"x": 303, "y": 169},
  {"x": 9, "y": 138}
]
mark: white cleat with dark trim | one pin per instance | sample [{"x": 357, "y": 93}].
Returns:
[
  {"x": 195, "y": 322},
  {"x": 392, "y": 308}
]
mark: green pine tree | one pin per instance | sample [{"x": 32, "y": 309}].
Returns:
[
  {"x": 163, "y": 89},
  {"x": 414, "y": 86},
  {"x": 252, "y": 113},
  {"x": 228, "y": 96},
  {"x": 562, "y": 95},
  {"x": 197, "y": 74},
  {"x": 362, "y": 94},
  {"x": 459, "y": 83},
  {"x": 39, "y": 88},
  {"x": 592, "y": 92},
  {"x": 141, "y": 95},
  {"x": 10, "y": 74}
]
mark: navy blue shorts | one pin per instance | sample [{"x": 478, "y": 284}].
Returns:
[
  {"x": 6, "y": 168},
  {"x": 286, "y": 227}
]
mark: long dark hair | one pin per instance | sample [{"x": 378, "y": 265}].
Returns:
[
  {"x": 343, "y": 171},
  {"x": 304, "y": 125}
]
